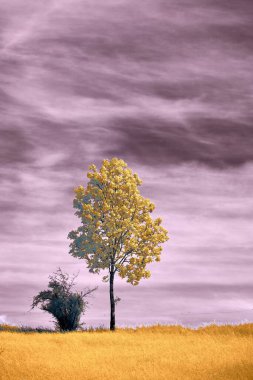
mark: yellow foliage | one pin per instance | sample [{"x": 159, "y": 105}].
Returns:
[
  {"x": 117, "y": 232},
  {"x": 153, "y": 353}
]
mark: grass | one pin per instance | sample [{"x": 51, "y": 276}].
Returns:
[{"x": 157, "y": 353}]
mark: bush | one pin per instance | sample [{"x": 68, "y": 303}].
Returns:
[{"x": 64, "y": 304}]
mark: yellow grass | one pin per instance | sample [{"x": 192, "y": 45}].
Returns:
[{"x": 224, "y": 352}]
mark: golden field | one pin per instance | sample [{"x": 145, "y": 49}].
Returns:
[{"x": 158, "y": 352}]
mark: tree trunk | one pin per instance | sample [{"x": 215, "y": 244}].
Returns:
[{"x": 112, "y": 302}]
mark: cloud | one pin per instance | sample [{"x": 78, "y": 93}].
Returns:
[
  {"x": 103, "y": 76},
  {"x": 3, "y": 319},
  {"x": 213, "y": 142},
  {"x": 14, "y": 147}
]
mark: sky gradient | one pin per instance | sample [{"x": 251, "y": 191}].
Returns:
[{"x": 168, "y": 87}]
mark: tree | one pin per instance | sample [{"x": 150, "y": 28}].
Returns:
[
  {"x": 65, "y": 305},
  {"x": 117, "y": 232}
]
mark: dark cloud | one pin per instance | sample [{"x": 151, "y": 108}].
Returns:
[
  {"x": 14, "y": 147},
  {"x": 214, "y": 142}
]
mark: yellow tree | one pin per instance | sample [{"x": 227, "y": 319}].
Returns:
[{"x": 117, "y": 233}]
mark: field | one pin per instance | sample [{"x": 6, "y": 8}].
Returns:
[{"x": 159, "y": 352}]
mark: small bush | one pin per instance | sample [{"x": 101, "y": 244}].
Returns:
[{"x": 64, "y": 304}]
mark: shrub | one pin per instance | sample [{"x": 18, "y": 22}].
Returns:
[{"x": 62, "y": 302}]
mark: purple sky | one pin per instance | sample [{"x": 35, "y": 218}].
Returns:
[{"x": 167, "y": 85}]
